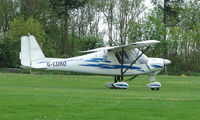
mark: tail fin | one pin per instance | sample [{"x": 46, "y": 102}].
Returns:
[{"x": 30, "y": 51}]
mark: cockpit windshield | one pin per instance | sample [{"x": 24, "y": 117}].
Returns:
[
  {"x": 143, "y": 59},
  {"x": 129, "y": 57}
]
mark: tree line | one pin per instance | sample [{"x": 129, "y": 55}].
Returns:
[{"x": 64, "y": 27}]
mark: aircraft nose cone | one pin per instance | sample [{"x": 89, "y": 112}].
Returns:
[{"x": 166, "y": 61}]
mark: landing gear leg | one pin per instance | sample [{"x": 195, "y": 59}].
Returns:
[{"x": 115, "y": 79}]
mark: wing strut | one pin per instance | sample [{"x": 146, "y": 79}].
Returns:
[
  {"x": 129, "y": 79},
  {"x": 133, "y": 61},
  {"x": 120, "y": 78}
]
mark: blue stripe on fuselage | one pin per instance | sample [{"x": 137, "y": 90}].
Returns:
[
  {"x": 98, "y": 60},
  {"x": 108, "y": 66},
  {"x": 42, "y": 62},
  {"x": 157, "y": 66}
]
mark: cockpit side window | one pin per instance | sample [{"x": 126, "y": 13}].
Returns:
[
  {"x": 126, "y": 58},
  {"x": 118, "y": 56}
]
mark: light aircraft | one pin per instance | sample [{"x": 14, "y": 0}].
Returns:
[{"x": 116, "y": 61}]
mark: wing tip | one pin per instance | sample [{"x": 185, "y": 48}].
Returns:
[{"x": 149, "y": 41}]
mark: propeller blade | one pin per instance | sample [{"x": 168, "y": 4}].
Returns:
[
  {"x": 165, "y": 70},
  {"x": 166, "y": 62}
]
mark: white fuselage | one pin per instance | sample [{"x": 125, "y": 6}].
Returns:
[{"x": 102, "y": 62}]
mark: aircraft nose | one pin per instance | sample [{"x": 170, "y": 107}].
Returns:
[{"x": 166, "y": 61}]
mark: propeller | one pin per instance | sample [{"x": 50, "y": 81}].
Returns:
[
  {"x": 166, "y": 62},
  {"x": 165, "y": 67}
]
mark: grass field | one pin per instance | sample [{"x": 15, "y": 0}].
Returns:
[{"x": 78, "y": 97}]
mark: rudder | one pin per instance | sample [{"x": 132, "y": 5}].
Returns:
[{"x": 30, "y": 50}]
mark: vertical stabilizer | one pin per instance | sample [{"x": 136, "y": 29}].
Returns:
[{"x": 30, "y": 51}]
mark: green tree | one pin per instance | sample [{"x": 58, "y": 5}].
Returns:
[
  {"x": 20, "y": 27},
  {"x": 171, "y": 10},
  {"x": 11, "y": 42},
  {"x": 64, "y": 7},
  {"x": 34, "y": 8},
  {"x": 8, "y": 9}
]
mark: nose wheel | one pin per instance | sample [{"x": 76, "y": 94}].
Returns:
[
  {"x": 154, "y": 85},
  {"x": 155, "y": 89}
]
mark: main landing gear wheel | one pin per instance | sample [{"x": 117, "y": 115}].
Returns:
[{"x": 117, "y": 84}]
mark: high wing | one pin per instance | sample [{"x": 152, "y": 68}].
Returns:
[{"x": 129, "y": 46}]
